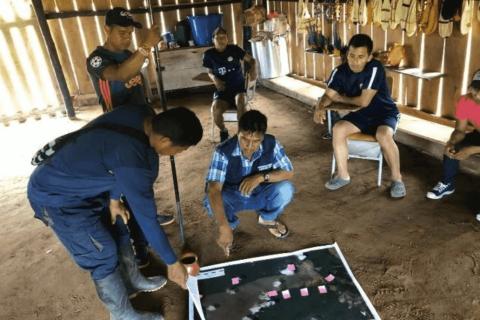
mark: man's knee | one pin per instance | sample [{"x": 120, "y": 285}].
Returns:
[
  {"x": 384, "y": 135},
  {"x": 100, "y": 261},
  {"x": 341, "y": 130},
  {"x": 92, "y": 248},
  {"x": 241, "y": 100},
  {"x": 219, "y": 106},
  {"x": 284, "y": 191}
]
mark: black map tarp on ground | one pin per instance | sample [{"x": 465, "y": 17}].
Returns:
[{"x": 309, "y": 284}]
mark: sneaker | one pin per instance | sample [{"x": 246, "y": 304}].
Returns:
[
  {"x": 441, "y": 190},
  {"x": 478, "y": 217},
  {"x": 336, "y": 183},
  {"x": 223, "y": 135},
  {"x": 165, "y": 219},
  {"x": 398, "y": 190}
]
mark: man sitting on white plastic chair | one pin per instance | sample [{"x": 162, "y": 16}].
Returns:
[
  {"x": 361, "y": 83},
  {"x": 224, "y": 68}
]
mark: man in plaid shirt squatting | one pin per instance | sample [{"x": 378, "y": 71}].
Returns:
[{"x": 249, "y": 171}]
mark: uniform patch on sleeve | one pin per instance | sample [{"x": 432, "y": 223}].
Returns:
[{"x": 96, "y": 61}]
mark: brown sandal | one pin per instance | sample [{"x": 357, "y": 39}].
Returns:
[{"x": 276, "y": 228}]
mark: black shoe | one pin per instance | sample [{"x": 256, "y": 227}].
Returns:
[{"x": 223, "y": 135}]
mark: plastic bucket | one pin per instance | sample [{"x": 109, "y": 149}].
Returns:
[{"x": 203, "y": 27}]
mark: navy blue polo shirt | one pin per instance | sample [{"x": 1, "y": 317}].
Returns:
[
  {"x": 226, "y": 65},
  {"x": 105, "y": 164},
  {"x": 114, "y": 93},
  {"x": 350, "y": 84}
]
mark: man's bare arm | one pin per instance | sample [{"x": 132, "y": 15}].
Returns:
[
  {"x": 131, "y": 67},
  {"x": 361, "y": 101}
]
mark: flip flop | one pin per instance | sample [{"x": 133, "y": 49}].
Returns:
[{"x": 274, "y": 228}]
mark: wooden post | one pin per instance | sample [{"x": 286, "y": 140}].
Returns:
[
  {"x": 247, "y": 31},
  {"x": 52, "y": 52},
  {"x": 156, "y": 54}
]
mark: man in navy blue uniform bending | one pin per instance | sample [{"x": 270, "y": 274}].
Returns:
[{"x": 76, "y": 192}]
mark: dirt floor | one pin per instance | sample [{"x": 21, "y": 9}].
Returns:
[{"x": 415, "y": 258}]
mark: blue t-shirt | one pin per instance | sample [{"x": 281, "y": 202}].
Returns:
[
  {"x": 350, "y": 84},
  {"x": 226, "y": 65},
  {"x": 103, "y": 163},
  {"x": 112, "y": 94}
]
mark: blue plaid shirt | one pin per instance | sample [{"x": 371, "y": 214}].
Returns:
[{"x": 218, "y": 167}]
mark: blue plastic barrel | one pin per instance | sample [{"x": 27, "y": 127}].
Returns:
[{"x": 203, "y": 27}]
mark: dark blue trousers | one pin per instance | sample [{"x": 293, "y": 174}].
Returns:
[
  {"x": 450, "y": 166},
  {"x": 87, "y": 234}
]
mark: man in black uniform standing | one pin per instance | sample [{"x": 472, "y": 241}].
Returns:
[
  {"x": 115, "y": 74},
  {"x": 224, "y": 68}
]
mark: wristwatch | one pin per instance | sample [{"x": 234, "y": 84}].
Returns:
[{"x": 266, "y": 177}]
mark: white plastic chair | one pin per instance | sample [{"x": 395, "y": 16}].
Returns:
[
  {"x": 360, "y": 146},
  {"x": 231, "y": 114}
]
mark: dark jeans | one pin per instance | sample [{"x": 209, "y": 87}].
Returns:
[
  {"x": 450, "y": 166},
  {"x": 268, "y": 199}
]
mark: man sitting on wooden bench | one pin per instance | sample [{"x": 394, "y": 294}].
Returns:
[
  {"x": 223, "y": 62},
  {"x": 360, "y": 84}
]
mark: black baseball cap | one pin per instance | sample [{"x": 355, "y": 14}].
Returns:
[
  {"x": 121, "y": 17},
  {"x": 476, "y": 80}
]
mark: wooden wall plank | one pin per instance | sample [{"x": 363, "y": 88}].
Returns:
[
  {"x": 49, "y": 67},
  {"x": 101, "y": 4},
  {"x": 475, "y": 56},
  {"x": 290, "y": 12},
  {"x": 227, "y": 22},
  {"x": 118, "y": 3},
  {"x": 135, "y": 4},
  {"x": 412, "y": 46},
  {"x": 309, "y": 64},
  {"x": 432, "y": 62},
  {"x": 15, "y": 77},
  {"x": 394, "y": 36},
  {"x": 169, "y": 17},
  {"x": 184, "y": 13},
  {"x": 296, "y": 40},
  {"x": 238, "y": 18},
  {"x": 88, "y": 26},
  {"x": 454, "y": 66},
  {"x": 78, "y": 57},
  {"x": 61, "y": 47}
]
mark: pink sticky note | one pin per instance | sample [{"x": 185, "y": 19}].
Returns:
[
  {"x": 304, "y": 292},
  {"x": 291, "y": 267},
  {"x": 322, "y": 289},
  {"x": 329, "y": 278},
  {"x": 272, "y": 293},
  {"x": 235, "y": 280},
  {"x": 286, "y": 294}
]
